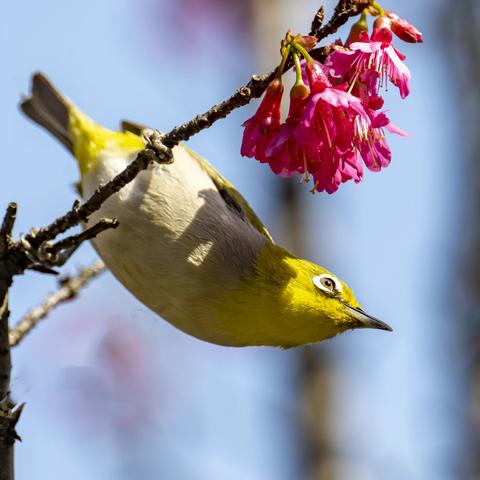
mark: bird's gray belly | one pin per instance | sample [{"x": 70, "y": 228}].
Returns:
[{"x": 179, "y": 247}]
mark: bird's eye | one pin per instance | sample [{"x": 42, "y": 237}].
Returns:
[{"x": 327, "y": 283}]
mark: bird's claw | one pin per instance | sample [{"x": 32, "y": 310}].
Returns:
[{"x": 153, "y": 139}]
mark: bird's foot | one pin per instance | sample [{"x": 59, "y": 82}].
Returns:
[{"x": 153, "y": 140}]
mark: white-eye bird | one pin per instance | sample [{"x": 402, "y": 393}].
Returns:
[{"x": 190, "y": 247}]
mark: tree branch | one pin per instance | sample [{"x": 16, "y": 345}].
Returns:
[
  {"x": 74, "y": 241},
  {"x": 68, "y": 291},
  {"x": 7, "y": 427},
  {"x": 81, "y": 213},
  {"x": 16, "y": 257},
  {"x": 343, "y": 11},
  {"x": 6, "y": 441},
  {"x": 49, "y": 255},
  {"x": 159, "y": 146},
  {"x": 7, "y": 226},
  {"x": 317, "y": 23}
]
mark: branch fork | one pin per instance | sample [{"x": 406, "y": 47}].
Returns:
[{"x": 9, "y": 417}]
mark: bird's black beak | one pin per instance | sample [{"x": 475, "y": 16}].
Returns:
[{"x": 365, "y": 320}]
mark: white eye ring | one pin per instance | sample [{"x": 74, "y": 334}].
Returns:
[{"x": 327, "y": 283}]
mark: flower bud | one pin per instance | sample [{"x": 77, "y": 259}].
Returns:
[
  {"x": 306, "y": 41},
  {"x": 299, "y": 91},
  {"x": 404, "y": 30},
  {"x": 382, "y": 29},
  {"x": 260, "y": 128},
  {"x": 356, "y": 31},
  {"x": 274, "y": 88}
]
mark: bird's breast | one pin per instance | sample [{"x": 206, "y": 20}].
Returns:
[{"x": 179, "y": 247}]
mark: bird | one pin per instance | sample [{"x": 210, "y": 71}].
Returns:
[{"x": 189, "y": 246}]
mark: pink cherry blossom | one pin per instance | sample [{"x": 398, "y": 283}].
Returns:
[
  {"x": 330, "y": 170},
  {"x": 372, "y": 61},
  {"x": 316, "y": 138},
  {"x": 334, "y": 124},
  {"x": 284, "y": 153},
  {"x": 369, "y": 140},
  {"x": 328, "y": 128},
  {"x": 261, "y": 128}
]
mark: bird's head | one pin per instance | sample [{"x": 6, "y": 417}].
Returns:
[
  {"x": 323, "y": 304},
  {"x": 290, "y": 301}
]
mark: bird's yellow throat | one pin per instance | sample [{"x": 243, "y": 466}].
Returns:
[{"x": 90, "y": 139}]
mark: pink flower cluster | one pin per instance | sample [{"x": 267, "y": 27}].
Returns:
[{"x": 334, "y": 124}]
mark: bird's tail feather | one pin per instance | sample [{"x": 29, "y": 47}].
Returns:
[{"x": 47, "y": 107}]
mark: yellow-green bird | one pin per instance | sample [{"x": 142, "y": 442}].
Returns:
[{"x": 190, "y": 247}]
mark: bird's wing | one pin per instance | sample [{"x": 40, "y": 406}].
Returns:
[
  {"x": 232, "y": 197},
  {"x": 128, "y": 126}
]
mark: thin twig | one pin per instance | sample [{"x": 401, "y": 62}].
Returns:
[
  {"x": 343, "y": 11},
  {"x": 8, "y": 220},
  {"x": 68, "y": 291},
  {"x": 7, "y": 227},
  {"x": 81, "y": 213},
  {"x": 317, "y": 22},
  {"x": 43, "y": 269},
  {"x": 253, "y": 89},
  {"x": 56, "y": 254},
  {"x": 74, "y": 241}
]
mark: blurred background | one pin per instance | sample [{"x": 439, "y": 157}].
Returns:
[{"x": 114, "y": 392}]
